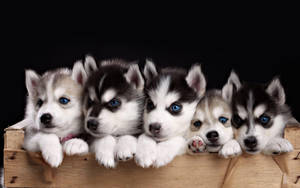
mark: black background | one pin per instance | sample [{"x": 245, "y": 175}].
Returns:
[{"x": 255, "y": 57}]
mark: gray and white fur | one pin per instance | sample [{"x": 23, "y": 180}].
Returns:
[{"x": 55, "y": 108}]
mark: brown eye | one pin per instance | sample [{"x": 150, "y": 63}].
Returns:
[
  {"x": 150, "y": 105},
  {"x": 237, "y": 121},
  {"x": 39, "y": 102},
  {"x": 197, "y": 123}
]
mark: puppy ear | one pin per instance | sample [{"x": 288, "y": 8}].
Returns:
[
  {"x": 90, "y": 64},
  {"x": 275, "y": 90},
  {"x": 196, "y": 80},
  {"x": 32, "y": 82},
  {"x": 78, "y": 73},
  {"x": 233, "y": 84},
  {"x": 133, "y": 76},
  {"x": 150, "y": 71}
]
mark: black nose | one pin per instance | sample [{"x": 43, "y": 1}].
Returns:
[
  {"x": 250, "y": 142},
  {"x": 46, "y": 118},
  {"x": 212, "y": 136},
  {"x": 92, "y": 124},
  {"x": 155, "y": 128}
]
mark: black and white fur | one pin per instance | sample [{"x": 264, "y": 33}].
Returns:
[
  {"x": 52, "y": 120},
  {"x": 113, "y": 109},
  {"x": 211, "y": 128},
  {"x": 259, "y": 115},
  {"x": 165, "y": 129}
]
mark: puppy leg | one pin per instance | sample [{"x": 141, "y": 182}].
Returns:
[
  {"x": 126, "y": 147},
  {"x": 49, "y": 145},
  {"x": 277, "y": 146},
  {"x": 166, "y": 151},
  {"x": 104, "y": 151},
  {"x": 230, "y": 149},
  {"x": 195, "y": 145},
  {"x": 146, "y": 151},
  {"x": 75, "y": 146}
]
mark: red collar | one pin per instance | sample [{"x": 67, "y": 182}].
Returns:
[{"x": 66, "y": 138}]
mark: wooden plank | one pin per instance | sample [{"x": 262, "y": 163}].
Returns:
[
  {"x": 293, "y": 163},
  {"x": 293, "y": 135},
  {"x": 13, "y": 139},
  {"x": 83, "y": 171}
]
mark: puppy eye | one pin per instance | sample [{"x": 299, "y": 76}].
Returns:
[
  {"x": 175, "y": 108},
  {"x": 197, "y": 123},
  {"x": 64, "y": 100},
  {"x": 223, "y": 120},
  {"x": 39, "y": 102},
  {"x": 114, "y": 103},
  {"x": 264, "y": 119},
  {"x": 237, "y": 121},
  {"x": 150, "y": 105}
]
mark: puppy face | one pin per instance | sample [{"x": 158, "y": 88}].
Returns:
[
  {"x": 113, "y": 100},
  {"x": 54, "y": 101},
  {"x": 259, "y": 113},
  {"x": 212, "y": 121},
  {"x": 172, "y": 97}
]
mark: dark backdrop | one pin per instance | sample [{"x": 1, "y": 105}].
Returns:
[{"x": 254, "y": 59}]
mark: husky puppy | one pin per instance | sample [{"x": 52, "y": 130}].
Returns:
[
  {"x": 113, "y": 106},
  {"x": 172, "y": 96},
  {"x": 211, "y": 126},
  {"x": 55, "y": 108},
  {"x": 259, "y": 115}
]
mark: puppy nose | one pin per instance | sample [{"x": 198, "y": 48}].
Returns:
[
  {"x": 46, "y": 118},
  {"x": 212, "y": 136},
  {"x": 92, "y": 124},
  {"x": 154, "y": 128},
  {"x": 250, "y": 142}
]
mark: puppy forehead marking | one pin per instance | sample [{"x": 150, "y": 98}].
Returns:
[
  {"x": 259, "y": 110},
  {"x": 199, "y": 114},
  {"x": 92, "y": 93},
  {"x": 108, "y": 95},
  {"x": 159, "y": 94},
  {"x": 242, "y": 111},
  {"x": 217, "y": 111}
]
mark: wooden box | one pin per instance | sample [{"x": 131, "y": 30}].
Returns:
[{"x": 24, "y": 169}]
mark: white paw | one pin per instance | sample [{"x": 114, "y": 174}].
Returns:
[
  {"x": 104, "y": 151},
  {"x": 230, "y": 149},
  {"x": 277, "y": 146},
  {"x": 146, "y": 151},
  {"x": 75, "y": 146},
  {"x": 196, "y": 145},
  {"x": 53, "y": 154},
  {"x": 126, "y": 148},
  {"x": 168, "y": 150}
]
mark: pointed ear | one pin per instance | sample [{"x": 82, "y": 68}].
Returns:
[
  {"x": 150, "y": 71},
  {"x": 196, "y": 80},
  {"x": 133, "y": 76},
  {"x": 233, "y": 84},
  {"x": 275, "y": 90},
  {"x": 90, "y": 64},
  {"x": 32, "y": 82},
  {"x": 78, "y": 73}
]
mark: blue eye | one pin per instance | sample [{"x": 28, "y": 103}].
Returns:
[
  {"x": 64, "y": 100},
  {"x": 175, "y": 108},
  {"x": 223, "y": 119},
  {"x": 264, "y": 119},
  {"x": 114, "y": 103}
]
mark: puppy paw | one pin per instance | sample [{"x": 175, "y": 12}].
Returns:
[
  {"x": 230, "y": 149},
  {"x": 146, "y": 151},
  {"x": 104, "y": 151},
  {"x": 277, "y": 146},
  {"x": 53, "y": 154},
  {"x": 196, "y": 145},
  {"x": 75, "y": 146},
  {"x": 168, "y": 150},
  {"x": 126, "y": 148}
]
